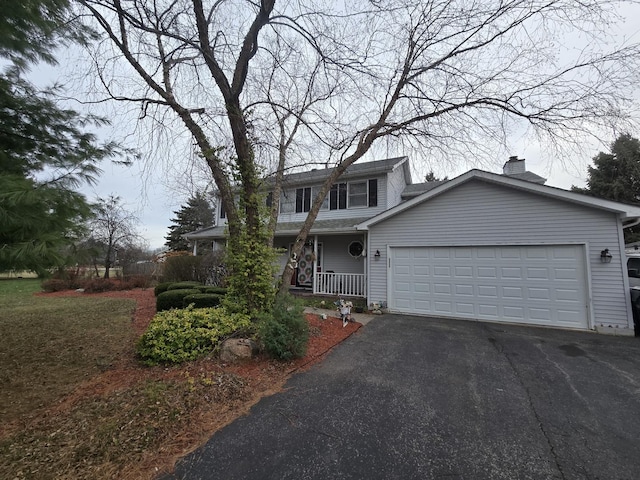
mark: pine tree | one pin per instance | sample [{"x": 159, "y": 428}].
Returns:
[
  {"x": 44, "y": 152},
  {"x": 197, "y": 213},
  {"x": 616, "y": 176}
]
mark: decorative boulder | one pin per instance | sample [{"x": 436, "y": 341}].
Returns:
[{"x": 235, "y": 349}]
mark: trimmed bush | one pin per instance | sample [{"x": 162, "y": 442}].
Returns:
[
  {"x": 284, "y": 331},
  {"x": 217, "y": 290},
  {"x": 182, "y": 335},
  {"x": 173, "y": 298},
  {"x": 202, "y": 300},
  {"x": 161, "y": 287},
  {"x": 181, "y": 285}
]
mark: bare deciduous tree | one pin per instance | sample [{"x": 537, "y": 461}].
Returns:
[
  {"x": 112, "y": 228},
  {"x": 451, "y": 77}
]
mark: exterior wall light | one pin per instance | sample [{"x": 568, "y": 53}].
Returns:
[
  {"x": 377, "y": 255},
  {"x": 605, "y": 256}
]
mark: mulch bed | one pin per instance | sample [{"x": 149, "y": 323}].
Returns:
[{"x": 263, "y": 376}]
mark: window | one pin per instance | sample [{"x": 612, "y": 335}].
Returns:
[
  {"x": 223, "y": 213},
  {"x": 325, "y": 202},
  {"x": 358, "y": 194},
  {"x": 338, "y": 197},
  {"x": 303, "y": 199},
  {"x": 287, "y": 202}
]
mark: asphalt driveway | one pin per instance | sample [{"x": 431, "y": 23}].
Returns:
[{"x": 409, "y": 397}]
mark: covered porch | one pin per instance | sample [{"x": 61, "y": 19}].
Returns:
[{"x": 332, "y": 265}]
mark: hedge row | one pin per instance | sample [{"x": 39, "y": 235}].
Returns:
[
  {"x": 183, "y": 294},
  {"x": 166, "y": 286}
]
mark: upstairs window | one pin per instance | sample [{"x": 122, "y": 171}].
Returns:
[
  {"x": 325, "y": 202},
  {"x": 287, "y": 202},
  {"x": 338, "y": 197},
  {"x": 303, "y": 199},
  {"x": 354, "y": 195},
  {"x": 358, "y": 196}
]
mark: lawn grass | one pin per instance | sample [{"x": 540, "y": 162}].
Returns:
[{"x": 50, "y": 345}]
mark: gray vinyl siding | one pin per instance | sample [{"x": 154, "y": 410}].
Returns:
[
  {"x": 360, "y": 212},
  {"x": 335, "y": 254},
  {"x": 477, "y": 213},
  {"x": 396, "y": 183}
]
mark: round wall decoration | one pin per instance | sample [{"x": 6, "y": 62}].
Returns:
[{"x": 356, "y": 248}]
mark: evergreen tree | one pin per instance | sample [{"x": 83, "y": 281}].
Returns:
[
  {"x": 197, "y": 213},
  {"x": 44, "y": 152},
  {"x": 616, "y": 176},
  {"x": 431, "y": 177}
]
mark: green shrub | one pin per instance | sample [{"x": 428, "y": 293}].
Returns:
[
  {"x": 284, "y": 331},
  {"x": 173, "y": 298},
  {"x": 182, "y": 335},
  {"x": 202, "y": 300},
  {"x": 161, "y": 287},
  {"x": 181, "y": 285},
  {"x": 217, "y": 290}
]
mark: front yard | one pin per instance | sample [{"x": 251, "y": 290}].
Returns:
[{"x": 76, "y": 403}]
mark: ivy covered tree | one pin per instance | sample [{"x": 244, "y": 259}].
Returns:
[
  {"x": 45, "y": 153},
  {"x": 197, "y": 213},
  {"x": 616, "y": 176}
]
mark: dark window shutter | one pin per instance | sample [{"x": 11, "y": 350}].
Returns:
[
  {"x": 307, "y": 199},
  {"x": 333, "y": 198},
  {"x": 270, "y": 199},
  {"x": 299, "y": 199},
  {"x": 373, "y": 193}
]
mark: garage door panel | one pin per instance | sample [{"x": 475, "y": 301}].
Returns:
[
  {"x": 465, "y": 308},
  {"x": 487, "y": 291},
  {"x": 420, "y": 270},
  {"x": 538, "y": 294},
  {"x": 512, "y": 293},
  {"x": 537, "y": 273},
  {"x": 444, "y": 308},
  {"x": 543, "y": 285},
  {"x": 511, "y": 272},
  {"x": 513, "y": 313}
]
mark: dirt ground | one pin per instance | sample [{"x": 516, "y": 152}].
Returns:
[{"x": 262, "y": 377}]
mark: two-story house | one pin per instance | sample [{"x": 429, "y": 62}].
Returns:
[
  {"x": 482, "y": 246},
  {"x": 333, "y": 260}
]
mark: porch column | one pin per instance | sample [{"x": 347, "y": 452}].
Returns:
[{"x": 315, "y": 264}]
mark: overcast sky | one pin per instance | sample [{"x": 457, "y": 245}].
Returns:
[{"x": 153, "y": 196}]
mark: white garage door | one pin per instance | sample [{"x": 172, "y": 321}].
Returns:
[{"x": 541, "y": 285}]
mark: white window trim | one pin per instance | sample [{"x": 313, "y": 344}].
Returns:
[{"x": 366, "y": 195}]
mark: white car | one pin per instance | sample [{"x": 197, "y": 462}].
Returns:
[{"x": 633, "y": 267}]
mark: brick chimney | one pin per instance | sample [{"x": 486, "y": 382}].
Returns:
[{"x": 514, "y": 166}]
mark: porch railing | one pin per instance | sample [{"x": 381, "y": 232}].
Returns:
[{"x": 340, "y": 284}]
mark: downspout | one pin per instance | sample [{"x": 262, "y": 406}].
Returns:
[{"x": 633, "y": 223}]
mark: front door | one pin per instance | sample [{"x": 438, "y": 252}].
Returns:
[{"x": 304, "y": 272}]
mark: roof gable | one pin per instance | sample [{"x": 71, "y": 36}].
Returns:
[{"x": 626, "y": 211}]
